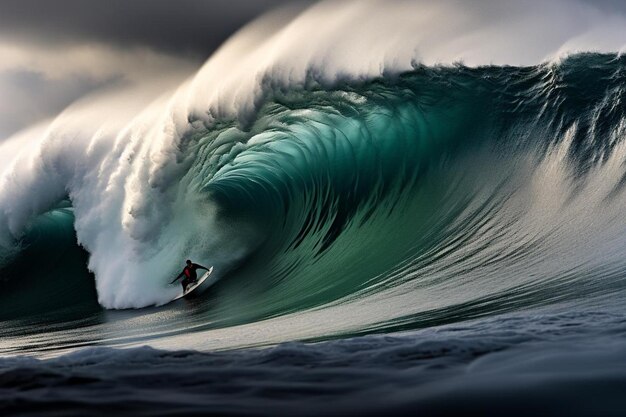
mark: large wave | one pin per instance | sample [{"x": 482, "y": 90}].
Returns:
[{"x": 312, "y": 176}]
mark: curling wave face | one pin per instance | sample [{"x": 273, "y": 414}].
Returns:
[{"x": 438, "y": 195}]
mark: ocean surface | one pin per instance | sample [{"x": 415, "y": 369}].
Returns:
[{"x": 440, "y": 239}]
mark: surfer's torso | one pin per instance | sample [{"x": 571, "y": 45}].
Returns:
[{"x": 190, "y": 272}]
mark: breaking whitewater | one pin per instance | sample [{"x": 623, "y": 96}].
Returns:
[{"x": 394, "y": 231}]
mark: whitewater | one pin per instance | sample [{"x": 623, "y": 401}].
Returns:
[{"x": 403, "y": 214}]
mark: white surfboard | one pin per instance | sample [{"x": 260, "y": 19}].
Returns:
[{"x": 196, "y": 284}]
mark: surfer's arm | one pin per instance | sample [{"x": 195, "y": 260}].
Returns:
[
  {"x": 179, "y": 275},
  {"x": 201, "y": 267}
]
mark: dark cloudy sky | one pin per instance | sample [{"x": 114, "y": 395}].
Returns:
[
  {"x": 193, "y": 26},
  {"x": 53, "y": 52}
]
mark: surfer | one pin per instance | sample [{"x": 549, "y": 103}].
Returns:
[{"x": 189, "y": 272}]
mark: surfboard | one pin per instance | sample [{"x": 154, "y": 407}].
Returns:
[{"x": 196, "y": 284}]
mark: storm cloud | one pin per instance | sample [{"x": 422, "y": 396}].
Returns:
[
  {"x": 184, "y": 26},
  {"x": 53, "y": 53}
]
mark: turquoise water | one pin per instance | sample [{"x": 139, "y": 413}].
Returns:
[{"x": 438, "y": 196}]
